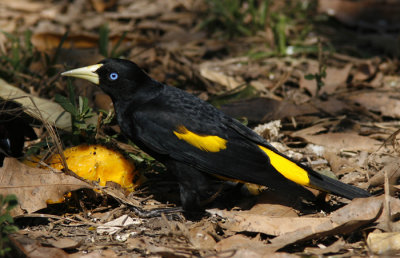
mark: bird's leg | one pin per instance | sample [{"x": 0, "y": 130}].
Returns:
[{"x": 193, "y": 186}]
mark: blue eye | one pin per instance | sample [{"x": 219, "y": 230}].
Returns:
[{"x": 113, "y": 76}]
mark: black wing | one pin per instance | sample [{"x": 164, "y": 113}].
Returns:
[{"x": 158, "y": 121}]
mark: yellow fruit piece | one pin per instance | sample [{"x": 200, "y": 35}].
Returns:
[{"x": 98, "y": 163}]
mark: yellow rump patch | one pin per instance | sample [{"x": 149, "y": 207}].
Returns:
[
  {"x": 209, "y": 143},
  {"x": 287, "y": 168}
]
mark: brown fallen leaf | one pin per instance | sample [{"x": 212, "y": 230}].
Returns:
[
  {"x": 200, "y": 237},
  {"x": 386, "y": 103},
  {"x": 339, "y": 141},
  {"x": 274, "y": 205},
  {"x": 335, "y": 78},
  {"x": 351, "y": 217},
  {"x": 210, "y": 71},
  {"x": 358, "y": 213},
  {"x": 34, "y": 186},
  {"x": 64, "y": 243},
  {"x": 33, "y": 248},
  {"x": 391, "y": 167},
  {"x": 239, "y": 221}
]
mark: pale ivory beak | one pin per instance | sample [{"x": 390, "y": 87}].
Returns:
[{"x": 87, "y": 73}]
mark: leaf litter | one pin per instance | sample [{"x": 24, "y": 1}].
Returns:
[{"x": 340, "y": 129}]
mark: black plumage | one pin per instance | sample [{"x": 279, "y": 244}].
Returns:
[{"x": 193, "y": 138}]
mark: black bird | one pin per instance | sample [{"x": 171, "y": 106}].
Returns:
[{"x": 193, "y": 139}]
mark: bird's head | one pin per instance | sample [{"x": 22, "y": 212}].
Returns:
[{"x": 114, "y": 76}]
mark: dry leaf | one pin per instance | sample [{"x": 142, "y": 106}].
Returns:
[
  {"x": 33, "y": 248},
  {"x": 200, "y": 237},
  {"x": 339, "y": 141},
  {"x": 64, "y": 243},
  {"x": 386, "y": 103},
  {"x": 50, "y": 111},
  {"x": 239, "y": 221},
  {"x": 391, "y": 167},
  {"x": 34, "y": 186},
  {"x": 291, "y": 230},
  {"x": 210, "y": 71},
  {"x": 335, "y": 78},
  {"x": 345, "y": 220}
]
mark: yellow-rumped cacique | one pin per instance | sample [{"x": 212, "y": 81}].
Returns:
[{"x": 193, "y": 139}]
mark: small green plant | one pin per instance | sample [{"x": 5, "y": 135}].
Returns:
[
  {"x": 104, "y": 43},
  {"x": 80, "y": 112},
  {"x": 321, "y": 74},
  {"x": 279, "y": 28},
  {"x": 7, "y": 203}
]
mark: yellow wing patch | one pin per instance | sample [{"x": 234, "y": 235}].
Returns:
[
  {"x": 210, "y": 143},
  {"x": 287, "y": 168}
]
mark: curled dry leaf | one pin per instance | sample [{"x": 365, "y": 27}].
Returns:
[{"x": 34, "y": 187}]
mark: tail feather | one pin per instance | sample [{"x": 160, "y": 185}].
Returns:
[{"x": 336, "y": 187}]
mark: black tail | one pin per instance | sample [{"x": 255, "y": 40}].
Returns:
[{"x": 336, "y": 187}]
